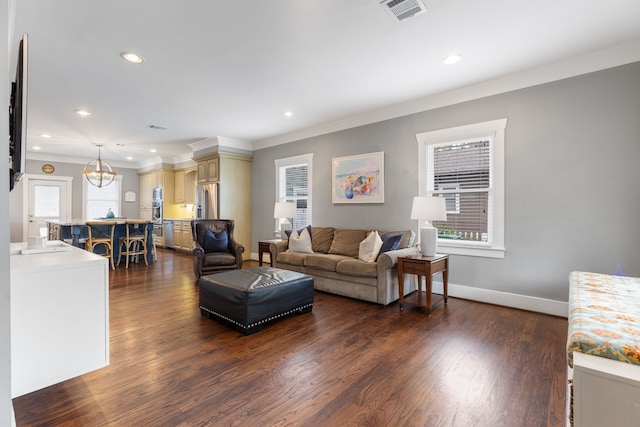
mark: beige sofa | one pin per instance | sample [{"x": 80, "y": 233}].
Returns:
[{"x": 337, "y": 269}]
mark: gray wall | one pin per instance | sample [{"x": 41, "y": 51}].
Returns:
[
  {"x": 130, "y": 181},
  {"x": 572, "y": 175}
]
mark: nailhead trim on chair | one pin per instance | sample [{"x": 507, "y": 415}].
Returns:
[{"x": 261, "y": 321}]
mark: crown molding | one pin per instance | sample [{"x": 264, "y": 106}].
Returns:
[
  {"x": 622, "y": 54},
  {"x": 47, "y": 157},
  {"x": 221, "y": 142}
]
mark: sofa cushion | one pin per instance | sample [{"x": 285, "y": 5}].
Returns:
[
  {"x": 218, "y": 259},
  {"x": 369, "y": 247},
  {"x": 300, "y": 242},
  {"x": 323, "y": 261},
  {"x": 356, "y": 267},
  {"x": 347, "y": 242},
  {"x": 321, "y": 238},
  {"x": 406, "y": 240},
  {"x": 291, "y": 258}
]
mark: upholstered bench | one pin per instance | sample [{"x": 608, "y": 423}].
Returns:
[{"x": 249, "y": 298}]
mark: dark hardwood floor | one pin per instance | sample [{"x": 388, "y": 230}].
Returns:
[{"x": 348, "y": 363}]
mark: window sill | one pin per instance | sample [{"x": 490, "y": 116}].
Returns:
[{"x": 446, "y": 247}]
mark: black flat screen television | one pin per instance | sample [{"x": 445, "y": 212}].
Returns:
[{"x": 18, "y": 117}]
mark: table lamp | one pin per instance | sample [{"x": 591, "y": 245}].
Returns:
[
  {"x": 285, "y": 211},
  {"x": 428, "y": 209}
]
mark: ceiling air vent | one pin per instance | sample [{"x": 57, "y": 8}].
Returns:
[{"x": 403, "y": 9}]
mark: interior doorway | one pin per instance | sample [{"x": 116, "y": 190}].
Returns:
[{"x": 48, "y": 199}]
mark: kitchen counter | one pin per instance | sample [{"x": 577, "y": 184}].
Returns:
[{"x": 72, "y": 222}]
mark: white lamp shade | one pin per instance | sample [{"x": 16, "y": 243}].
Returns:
[
  {"x": 284, "y": 210},
  {"x": 429, "y": 208}
]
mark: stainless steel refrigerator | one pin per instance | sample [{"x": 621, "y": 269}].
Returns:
[{"x": 207, "y": 201}]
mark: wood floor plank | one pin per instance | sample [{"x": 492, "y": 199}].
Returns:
[{"x": 347, "y": 363}]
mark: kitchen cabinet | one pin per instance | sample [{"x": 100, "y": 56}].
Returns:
[
  {"x": 233, "y": 175},
  {"x": 234, "y": 195},
  {"x": 182, "y": 237},
  {"x": 209, "y": 170},
  {"x": 148, "y": 181},
  {"x": 178, "y": 191},
  {"x": 185, "y": 186}
]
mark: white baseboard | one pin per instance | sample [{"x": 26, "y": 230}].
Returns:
[
  {"x": 265, "y": 257},
  {"x": 523, "y": 302},
  {"x": 507, "y": 299}
]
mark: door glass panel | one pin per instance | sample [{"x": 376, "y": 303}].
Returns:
[{"x": 46, "y": 201}]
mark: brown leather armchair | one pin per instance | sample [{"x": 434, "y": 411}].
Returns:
[{"x": 206, "y": 262}]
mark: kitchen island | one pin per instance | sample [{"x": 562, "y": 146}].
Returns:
[
  {"x": 75, "y": 232},
  {"x": 59, "y": 315}
]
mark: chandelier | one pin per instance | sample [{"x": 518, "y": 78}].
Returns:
[{"x": 99, "y": 173}]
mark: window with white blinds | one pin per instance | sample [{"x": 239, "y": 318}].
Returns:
[
  {"x": 465, "y": 165},
  {"x": 461, "y": 173},
  {"x": 293, "y": 185},
  {"x": 98, "y": 201}
]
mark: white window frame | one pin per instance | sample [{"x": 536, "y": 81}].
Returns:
[
  {"x": 117, "y": 179},
  {"x": 496, "y": 130},
  {"x": 303, "y": 159}
]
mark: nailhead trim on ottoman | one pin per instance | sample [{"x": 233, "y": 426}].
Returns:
[{"x": 251, "y": 297}]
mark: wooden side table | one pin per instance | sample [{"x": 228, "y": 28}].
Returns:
[
  {"x": 427, "y": 267},
  {"x": 263, "y": 246}
]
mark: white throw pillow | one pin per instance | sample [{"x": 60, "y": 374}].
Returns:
[
  {"x": 300, "y": 242},
  {"x": 370, "y": 247}
]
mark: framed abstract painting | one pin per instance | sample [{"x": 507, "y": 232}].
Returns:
[{"x": 358, "y": 179}]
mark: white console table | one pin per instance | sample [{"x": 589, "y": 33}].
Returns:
[{"x": 59, "y": 317}]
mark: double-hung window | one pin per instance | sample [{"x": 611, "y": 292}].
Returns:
[
  {"x": 465, "y": 165},
  {"x": 98, "y": 201},
  {"x": 293, "y": 185}
]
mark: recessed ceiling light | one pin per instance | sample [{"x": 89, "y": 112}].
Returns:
[
  {"x": 452, "y": 59},
  {"x": 45, "y": 135},
  {"x": 36, "y": 148},
  {"x": 153, "y": 150},
  {"x": 129, "y": 158},
  {"x": 83, "y": 113},
  {"x": 131, "y": 57},
  {"x": 288, "y": 114}
]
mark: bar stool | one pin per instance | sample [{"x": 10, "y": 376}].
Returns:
[
  {"x": 101, "y": 233},
  {"x": 134, "y": 242},
  {"x": 153, "y": 248}
]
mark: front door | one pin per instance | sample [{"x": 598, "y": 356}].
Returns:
[{"x": 49, "y": 200}]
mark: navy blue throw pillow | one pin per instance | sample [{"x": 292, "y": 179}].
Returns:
[
  {"x": 215, "y": 242},
  {"x": 390, "y": 243}
]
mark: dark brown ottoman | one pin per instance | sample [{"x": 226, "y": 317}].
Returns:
[{"x": 250, "y": 298}]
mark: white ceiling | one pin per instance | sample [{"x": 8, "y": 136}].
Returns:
[{"x": 231, "y": 68}]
